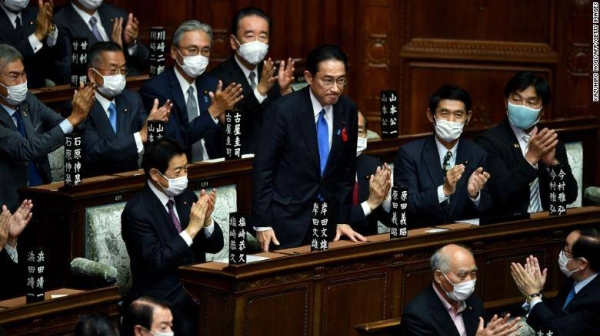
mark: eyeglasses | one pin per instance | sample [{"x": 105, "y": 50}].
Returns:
[
  {"x": 194, "y": 51},
  {"x": 116, "y": 71},
  {"x": 328, "y": 81}
]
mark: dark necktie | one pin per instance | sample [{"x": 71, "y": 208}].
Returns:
[
  {"x": 252, "y": 77},
  {"x": 95, "y": 31},
  {"x": 18, "y": 28},
  {"x": 446, "y": 164},
  {"x": 192, "y": 112},
  {"x": 174, "y": 216},
  {"x": 355, "y": 200},
  {"x": 323, "y": 139},
  {"x": 34, "y": 177}
]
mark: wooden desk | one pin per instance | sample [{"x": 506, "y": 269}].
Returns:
[
  {"x": 57, "y": 316},
  {"x": 329, "y": 292}
]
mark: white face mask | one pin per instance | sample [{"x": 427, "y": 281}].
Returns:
[
  {"x": 176, "y": 185},
  {"x": 562, "y": 263},
  {"x": 16, "y": 94},
  {"x": 90, "y": 4},
  {"x": 16, "y": 5},
  {"x": 462, "y": 291},
  {"x": 253, "y": 52},
  {"x": 113, "y": 85},
  {"x": 193, "y": 66},
  {"x": 361, "y": 145},
  {"x": 162, "y": 333},
  {"x": 448, "y": 130}
]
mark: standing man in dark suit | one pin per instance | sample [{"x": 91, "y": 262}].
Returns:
[
  {"x": 29, "y": 130},
  {"x": 307, "y": 152},
  {"x": 448, "y": 306},
  {"x": 519, "y": 154},
  {"x": 116, "y": 130},
  {"x": 444, "y": 174},
  {"x": 371, "y": 202},
  {"x": 166, "y": 226},
  {"x": 199, "y": 104},
  {"x": 576, "y": 308},
  {"x": 11, "y": 226},
  {"x": 98, "y": 21},
  {"x": 31, "y": 31},
  {"x": 249, "y": 39}
]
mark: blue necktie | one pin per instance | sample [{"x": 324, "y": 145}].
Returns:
[
  {"x": 569, "y": 297},
  {"x": 323, "y": 138},
  {"x": 32, "y": 173},
  {"x": 112, "y": 116}
]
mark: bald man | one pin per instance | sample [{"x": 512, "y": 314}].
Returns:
[{"x": 448, "y": 306}]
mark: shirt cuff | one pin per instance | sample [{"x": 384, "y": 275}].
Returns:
[
  {"x": 208, "y": 230},
  {"x": 534, "y": 301},
  {"x": 12, "y": 253},
  {"x": 132, "y": 49},
  {"x": 262, "y": 228},
  {"x": 186, "y": 237},
  {"x": 476, "y": 199},
  {"x": 36, "y": 44},
  {"x": 52, "y": 37},
  {"x": 258, "y": 96},
  {"x": 365, "y": 207},
  {"x": 66, "y": 126},
  {"x": 387, "y": 204},
  {"x": 138, "y": 141},
  {"x": 440, "y": 193}
]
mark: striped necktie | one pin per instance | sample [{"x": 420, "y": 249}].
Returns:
[{"x": 535, "y": 204}]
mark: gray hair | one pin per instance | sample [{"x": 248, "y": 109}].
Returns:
[
  {"x": 191, "y": 25},
  {"x": 441, "y": 260},
  {"x": 8, "y": 54}
]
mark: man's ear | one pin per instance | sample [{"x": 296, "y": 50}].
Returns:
[
  {"x": 430, "y": 116},
  {"x": 174, "y": 52},
  {"x": 233, "y": 43},
  {"x": 138, "y": 330},
  {"x": 469, "y": 115},
  {"x": 91, "y": 75},
  {"x": 154, "y": 174},
  {"x": 437, "y": 276},
  {"x": 309, "y": 77},
  {"x": 584, "y": 263}
]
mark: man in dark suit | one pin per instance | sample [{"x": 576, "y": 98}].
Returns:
[
  {"x": 31, "y": 31},
  {"x": 199, "y": 104},
  {"x": 448, "y": 306},
  {"x": 370, "y": 198},
  {"x": 29, "y": 130},
  {"x": 519, "y": 154},
  {"x": 307, "y": 152},
  {"x": 444, "y": 173},
  {"x": 98, "y": 21},
  {"x": 166, "y": 226},
  {"x": 575, "y": 310},
  {"x": 249, "y": 39},
  {"x": 116, "y": 130}
]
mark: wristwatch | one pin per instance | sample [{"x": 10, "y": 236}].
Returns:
[{"x": 531, "y": 296}]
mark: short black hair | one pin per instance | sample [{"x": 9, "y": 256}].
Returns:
[
  {"x": 449, "y": 91},
  {"x": 525, "y": 79},
  {"x": 587, "y": 246},
  {"x": 159, "y": 154},
  {"x": 97, "y": 49},
  {"x": 324, "y": 53},
  {"x": 244, "y": 12},
  {"x": 95, "y": 325},
  {"x": 141, "y": 311}
]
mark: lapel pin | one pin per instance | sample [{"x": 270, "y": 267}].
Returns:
[
  {"x": 516, "y": 145},
  {"x": 25, "y": 112},
  {"x": 31, "y": 23},
  {"x": 125, "y": 110}
]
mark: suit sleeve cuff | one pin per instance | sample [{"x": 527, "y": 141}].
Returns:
[
  {"x": 476, "y": 200},
  {"x": 387, "y": 204},
  {"x": 440, "y": 193},
  {"x": 132, "y": 49},
  {"x": 36, "y": 44},
  {"x": 365, "y": 207},
  {"x": 52, "y": 37},
  {"x": 12, "y": 253},
  {"x": 258, "y": 96},
  {"x": 138, "y": 142},
  {"x": 66, "y": 126},
  {"x": 208, "y": 230},
  {"x": 186, "y": 237}
]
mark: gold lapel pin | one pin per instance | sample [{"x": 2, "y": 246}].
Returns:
[
  {"x": 125, "y": 110},
  {"x": 516, "y": 145},
  {"x": 25, "y": 112}
]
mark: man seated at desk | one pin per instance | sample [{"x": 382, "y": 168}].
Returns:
[
  {"x": 576, "y": 309},
  {"x": 11, "y": 227},
  {"x": 166, "y": 226},
  {"x": 444, "y": 174},
  {"x": 149, "y": 316},
  {"x": 448, "y": 306},
  {"x": 519, "y": 153}
]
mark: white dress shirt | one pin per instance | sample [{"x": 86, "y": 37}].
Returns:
[
  {"x": 247, "y": 72},
  {"x": 442, "y": 150},
  {"x": 105, "y": 103},
  {"x": 36, "y": 44}
]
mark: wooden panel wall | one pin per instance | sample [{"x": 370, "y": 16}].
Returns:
[{"x": 414, "y": 46}]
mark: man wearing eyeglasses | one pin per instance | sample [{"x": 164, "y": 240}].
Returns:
[
  {"x": 199, "y": 100},
  {"x": 520, "y": 153},
  {"x": 307, "y": 153},
  {"x": 116, "y": 130},
  {"x": 29, "y": 130},
  {"x": 576, "y": 308}
]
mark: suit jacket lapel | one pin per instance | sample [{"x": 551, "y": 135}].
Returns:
[
  {"x": 123, "y": 114},
  {"x": 432, "y": 158},
  {"x": 177, "y": 94},
  {"x": 76, "y": 22},
  {"x": 461, "y": 157},
  {"x": 159, "y": 211},
  {"x": 306, "y": 120},
  {"x": 101, "y": 121},
  {"x": 184, "y": 207},
  {"x": 440, "y": 314},
  {"x": 107, "y": 21},
  {"x": 28, "y": 18},
  {"x": 339, "y": 123}
]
